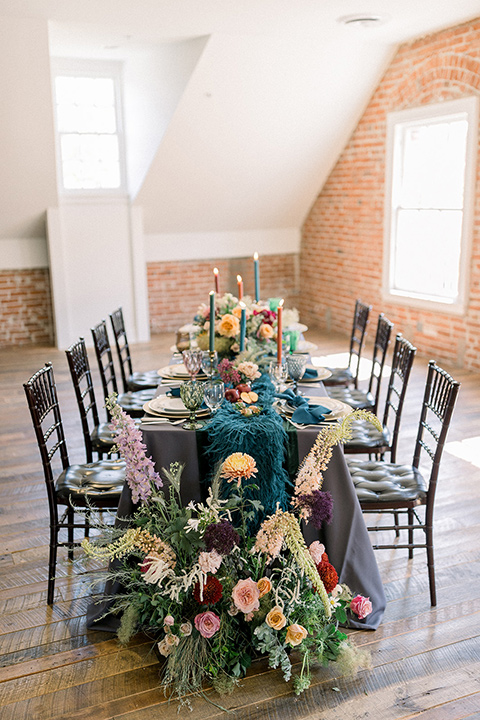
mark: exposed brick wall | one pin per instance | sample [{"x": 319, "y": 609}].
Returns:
[
  {"x": 25, "y": 307},
  {"x": 342, "y": 245},
  {"x": 175, "y": 289}
]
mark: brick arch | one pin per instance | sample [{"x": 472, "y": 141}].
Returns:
[{"x": 439, "y": 77}]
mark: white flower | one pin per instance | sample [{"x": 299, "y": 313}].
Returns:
[
  {"x": 157, "y": 570},
  {"x": 164, "y": 648},
  {"x": 316, "y": 550},
  {"x": 209, "y": 561},
  {"x": 186, "y": 629},
  {"x": 172, "y": 639}
]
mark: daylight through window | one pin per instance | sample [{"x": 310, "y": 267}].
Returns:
[
  {"x": 428, "y": 200},
  {"x": 88, "y": 131}
]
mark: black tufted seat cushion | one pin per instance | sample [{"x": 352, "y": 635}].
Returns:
[
  {"x": 377, "y": 481},
  {"x": 102, "y": 479},
  {"x": 144, "y": 380},
  {"x": 102, "y": 437},
  {"x": 339, "y": 376},
  {"x": 133, "y": 402},
  {"x": 357, "y": 399},
  {"x": 365, "y": 436}
]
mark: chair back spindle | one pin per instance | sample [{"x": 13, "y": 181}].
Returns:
[
  {"x": 103, "y": 351},
  {"x": 402, "y": 361},
  {"x": 79, "y": 366},
  {"x": 357, "y": 338},
  {"x": 123, "y": 349}
]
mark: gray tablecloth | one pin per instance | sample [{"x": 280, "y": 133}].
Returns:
[{"x": 346, "y": 538}]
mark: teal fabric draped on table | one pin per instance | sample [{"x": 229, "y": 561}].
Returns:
[{"x": 262, "y": 436}]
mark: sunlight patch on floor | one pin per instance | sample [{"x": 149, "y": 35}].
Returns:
[
  {"x": 341, "y": 360},
  {"x": 468, "y": 449}
]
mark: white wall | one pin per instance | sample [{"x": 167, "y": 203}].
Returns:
[
  {"x": 27, "y": 167},
  {"x": 93, "y": 270},
  {"x": 154, "y": 79}
]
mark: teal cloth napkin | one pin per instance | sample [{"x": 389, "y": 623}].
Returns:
[
  {"x": 310, "y": 373},
  {"x": 305, "y": 413}
]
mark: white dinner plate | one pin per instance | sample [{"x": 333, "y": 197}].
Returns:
[
  {"x": 166, "y": 406},
  {"x": 322, "y": 374},
  {"x": 178, "y": 372},
  {"x": 339, "y": 410}
]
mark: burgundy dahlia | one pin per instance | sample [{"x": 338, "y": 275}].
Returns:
[
  {"x": 328, "y": 575},
  {"x": 319, "y": 505},
  {"x": 212, "y": 591},
  {"x": 221, "y": 537}
]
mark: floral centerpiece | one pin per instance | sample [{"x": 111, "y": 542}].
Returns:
[
  {"x": 212, "y": 596},
  {"x": 261, "y": 325}
]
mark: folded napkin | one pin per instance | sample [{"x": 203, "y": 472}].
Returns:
[
  {"x": 173, "y": 392},
  {"x": 310, "y": 373},
  {"x": 305, "y": 413}
]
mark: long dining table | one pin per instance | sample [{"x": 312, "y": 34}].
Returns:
[{"x": 346, "y": 538}]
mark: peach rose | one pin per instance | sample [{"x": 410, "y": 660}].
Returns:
[
  {"x": 229, "y": 326},
  {"x": 265, "y": 332},
  {"x": 264, "y": 586},
  {"x": 276, "y": 619},
  {"x": 316, "y": 550},
  {"x": 295, "y": 634},
  {"x": 245, "y": 596},
  {"x": 237, "y": 311}
]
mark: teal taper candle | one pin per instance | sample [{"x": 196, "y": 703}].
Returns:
[{"x": 243, "y": 326}]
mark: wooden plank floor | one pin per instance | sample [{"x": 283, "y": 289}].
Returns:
[{"x": 425, "y": 662}]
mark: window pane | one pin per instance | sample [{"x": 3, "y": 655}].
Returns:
[
  {"x": 433, "y": 165},
  {"x": 427, "y": 252},
  {"x": 87, "y": 124}
]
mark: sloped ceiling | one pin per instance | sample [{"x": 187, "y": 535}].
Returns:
[{"x": 262, "y": 109}]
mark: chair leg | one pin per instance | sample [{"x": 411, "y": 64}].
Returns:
[
  {"x": 52, "y": 561},
  {"x": 71, "y": 537},
  {"x": 397, "y": 522},
  {"x": 431, "y": 565},
  {"x": 87, "y": 525},
  {"x": 410, "y": 534}
]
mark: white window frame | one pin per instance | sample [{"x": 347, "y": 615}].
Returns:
[
  {"x": 437, "y": 112},
  {"x": 96, "y": 69}
]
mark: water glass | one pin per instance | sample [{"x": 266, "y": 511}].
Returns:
[
  {"x": 278, "y": 372},
  {"x": 296, "y": 365},
  {"x": 209, "y": 362},
  {"x": 214, "y": 392},
  {"x": 191, "y": 393},
  {"x": 192, "y": 360}
]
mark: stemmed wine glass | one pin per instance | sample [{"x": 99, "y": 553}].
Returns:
[
  {"x": 278, "y": 372},
  {"x": 296, "y": 367},
  {"x": 192, "y": 360},
  {"x": 214, "y": 391},
  {"x": 191, "y": 393},
  {"x": 209, "y": 362}
]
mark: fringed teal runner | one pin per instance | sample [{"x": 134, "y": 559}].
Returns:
[{"x": 262, "y": 436}]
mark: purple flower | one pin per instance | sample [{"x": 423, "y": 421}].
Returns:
[
  {"x": 221, "y": 537},
  {"x": 140, "y": 471},
  {"x": 319, "y": 507},
  {"x": 228, "y": 372}
]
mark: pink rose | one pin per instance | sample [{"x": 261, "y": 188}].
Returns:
[
  {"x": 361, "y": 606},
  {"x": 246, "y": 596},
  {"x": 168, "y": 620},
  {"x": 207, "y": 623}
]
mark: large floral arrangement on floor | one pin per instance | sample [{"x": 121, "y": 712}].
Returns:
[
  {"x": 261, "y": 327},
  {"x": 211, "y": 595}
]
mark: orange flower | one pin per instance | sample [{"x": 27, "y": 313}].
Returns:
[
  {"x": 264, "y": 585},
  {"x": 295, "y": 634},
  {"x": 237, "y": 466},
  {"x": 229, "y": 326},
  {"x": 276, "y": 619},
  {"x": 265, "y": 331}
]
